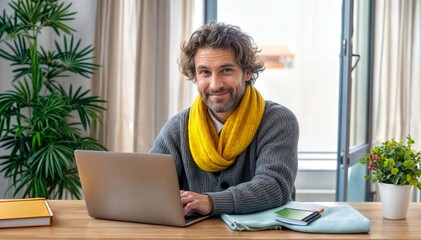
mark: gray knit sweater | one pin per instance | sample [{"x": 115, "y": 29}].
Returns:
[{"x": 262, "y": 176}]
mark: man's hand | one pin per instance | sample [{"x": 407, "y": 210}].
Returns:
[{"x": 199, "y": 203}]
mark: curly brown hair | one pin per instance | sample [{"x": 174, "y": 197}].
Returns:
[{"x": 225, "y": 36}]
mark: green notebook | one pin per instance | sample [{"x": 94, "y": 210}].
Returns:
[{"x": 298, "y": 216}]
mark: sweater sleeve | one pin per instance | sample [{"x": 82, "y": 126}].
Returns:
[{"x": 169, "y": 140}]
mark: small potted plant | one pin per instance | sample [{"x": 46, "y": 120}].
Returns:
[{"x": 397, "y": 168}]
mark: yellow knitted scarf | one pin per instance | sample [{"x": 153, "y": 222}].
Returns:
[{"x": 213, "y": 152}]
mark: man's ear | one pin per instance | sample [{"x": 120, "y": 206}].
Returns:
[{"x": 248, "y": 75}]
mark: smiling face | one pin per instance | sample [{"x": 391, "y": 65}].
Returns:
[{"x": 220, "y": 80}]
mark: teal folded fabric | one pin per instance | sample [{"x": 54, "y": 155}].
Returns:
[{"x": 335, "y": 219}]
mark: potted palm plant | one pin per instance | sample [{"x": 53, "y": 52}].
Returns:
[
  {"x": 42, "y": 122},
  {"x": 397, "y": 168}
]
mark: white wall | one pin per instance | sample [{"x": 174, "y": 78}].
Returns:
[{"x": 84, "y": 24}]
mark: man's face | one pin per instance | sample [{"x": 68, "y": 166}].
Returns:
[{"x": 220, "y": 80}]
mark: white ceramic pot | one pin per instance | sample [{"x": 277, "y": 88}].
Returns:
[{"x": 395, "y": 200}]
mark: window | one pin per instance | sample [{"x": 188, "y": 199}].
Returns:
[{"x": 300, "y": 42}]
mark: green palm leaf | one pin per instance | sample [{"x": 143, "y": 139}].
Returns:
[
  {"x": 74, "y": 59},
  {"x": 4, "y": 23},
  {"x": 57, "y": 15},
  {"x": 29, "y": 12},
  {"x": 19, "y": 53},
  {"x": 88, "y": 107}
]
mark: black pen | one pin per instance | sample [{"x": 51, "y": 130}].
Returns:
[{"x": 314, "y": 215}]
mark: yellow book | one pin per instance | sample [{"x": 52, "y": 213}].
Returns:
[{"x": 25, "y": 213}]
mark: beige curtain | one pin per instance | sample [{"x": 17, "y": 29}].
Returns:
[
  {"x": 134, "y": 43},
  {"x": 183, "y": 24},
  {"x": 397, "y": 66}
]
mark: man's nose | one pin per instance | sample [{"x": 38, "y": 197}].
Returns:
[{"x": 215, "y": 82}]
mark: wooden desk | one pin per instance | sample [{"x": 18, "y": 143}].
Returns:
[{"x": 72, "y": 221}]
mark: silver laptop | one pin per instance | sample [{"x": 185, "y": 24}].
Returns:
[{"x": 133, "y": 187}]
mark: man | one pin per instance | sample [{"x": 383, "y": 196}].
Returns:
[{"x": 235, "y": 152}]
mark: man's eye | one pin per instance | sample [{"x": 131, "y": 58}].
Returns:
[
  {"x": 226, "y": 70},
  {"x": 203, "y": 72}
]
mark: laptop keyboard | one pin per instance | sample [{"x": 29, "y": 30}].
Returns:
[{"x": 192, "y": 217}]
